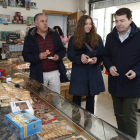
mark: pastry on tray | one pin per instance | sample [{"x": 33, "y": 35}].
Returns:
[{"x": 17, "y": 80}]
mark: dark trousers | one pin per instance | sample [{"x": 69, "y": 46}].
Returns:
[
  {"x": 126, "y": 114},
  {"x": 89, "y": 102}
]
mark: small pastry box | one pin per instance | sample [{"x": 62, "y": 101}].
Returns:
[
  {"x": 21, "y": 105},
  {"x": 23, "y": 123}
]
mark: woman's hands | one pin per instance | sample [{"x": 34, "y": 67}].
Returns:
[
  {"x": 84, "y": 59},
  {"x": 94, "y": 61}
]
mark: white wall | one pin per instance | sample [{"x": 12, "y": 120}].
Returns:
[
  {"x": 58, "y": 20},
  {"x": 99, "y": 14},
  {"x": 87, "y": 6},
  {"x": 56, "y": 5},
  {"x": 83, "y": 5}
]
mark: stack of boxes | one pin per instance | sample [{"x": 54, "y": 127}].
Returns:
[{"x": 18, "y": 19}]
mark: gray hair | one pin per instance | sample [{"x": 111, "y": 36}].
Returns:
[{"x": 36, "y": 16}]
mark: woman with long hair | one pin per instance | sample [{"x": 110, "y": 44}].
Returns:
[{"x": 85, "y": 52}]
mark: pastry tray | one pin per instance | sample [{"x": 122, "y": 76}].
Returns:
[{"x": 56, "y": 132}]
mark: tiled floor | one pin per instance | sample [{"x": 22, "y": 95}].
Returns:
[{"x": 104, "y": 110}]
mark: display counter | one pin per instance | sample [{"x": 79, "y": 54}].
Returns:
[{"x": 61, "y": 118}]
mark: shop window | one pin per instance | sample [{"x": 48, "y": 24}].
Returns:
[{"x": 112, "y": 21}]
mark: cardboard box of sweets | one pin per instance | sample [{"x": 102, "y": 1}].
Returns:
[
  {"x": 23, "y": 123},
  {"x": 4, "y": 18},
  {"x": 30, "y": 20}
]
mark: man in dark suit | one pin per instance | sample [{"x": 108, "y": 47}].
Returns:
[
  {"x": 121, "y": 58},
  {"x": 44, "y": 49}
]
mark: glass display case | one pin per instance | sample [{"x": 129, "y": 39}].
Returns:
[
  {"x": 91, "y": 127},
  {"x": 80, "y": 124}
]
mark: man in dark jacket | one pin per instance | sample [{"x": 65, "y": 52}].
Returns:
[
  {"x": 121, "y": 58},
  {"x": 44, "y": 49}
]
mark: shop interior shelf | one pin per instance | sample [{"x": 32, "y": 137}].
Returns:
[
  {"x": 16, "y": 24},
  {"x": 17, "y": 7},
  {"x": 12, "y": 23}
]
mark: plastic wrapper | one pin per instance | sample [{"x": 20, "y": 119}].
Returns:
[
  {"x": 5, "y": 104},
  {"x": 17, "y": 80},
  {"x": 19, "y": 95},
  {"x": 3, "y": 95},
  {"x": 1, "y": 87},
  {"x": 12, "y": 97},
  {"x": 6, "y": 100},
  {"x": 26, "y": 96},
  {"x": 8, "y": 86}
]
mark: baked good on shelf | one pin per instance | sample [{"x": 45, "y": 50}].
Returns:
[
  {"x": 4, "y": 95},
  {"x": 56, "y": 131},
  {"x": 26, "y": 96},
  {"x": 6, "y": 100},
  {"x": 19, "y": 95},
  {"x": 4, "y": 104},
  {"x": 1, "y": 87},
  {"x": 17, "y": 80}
]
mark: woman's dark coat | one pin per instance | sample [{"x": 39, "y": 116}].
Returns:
[
  {"x": 124, "y": 56},
  {"x": 31, "y": 54},
  {"x": 85, "y": 78}
]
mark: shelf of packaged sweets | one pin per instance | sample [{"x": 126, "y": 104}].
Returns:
[
  {"x": 16, "y": 24},
  {"x": 19, "y": 7}
]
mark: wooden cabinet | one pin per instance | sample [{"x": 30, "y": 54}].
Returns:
[{"x": 65, "y": 90}]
